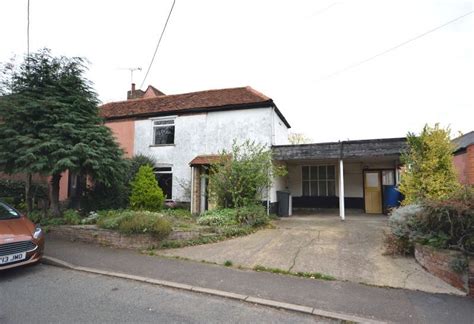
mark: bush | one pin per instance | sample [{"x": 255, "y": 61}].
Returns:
[
  {"x": 135, "y": 222},
  {"x": 72, "y": 217},
  {"x": 252, "y": 215},
  {"x": 99, "y": 196},
  {"x": 13, "y": 192},
  {"x": 146, "y": 194},
  {"x": 218, "y": 217},
  {"x": 445, "y": 224}
]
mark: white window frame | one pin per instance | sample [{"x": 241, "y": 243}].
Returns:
[
  {"x": 172, "y": 119},
  {"x": 317, "y": 180},
  {"x": 159, "y": 166}
]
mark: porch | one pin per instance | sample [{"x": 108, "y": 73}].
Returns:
[{"x": 356, "y": 175}]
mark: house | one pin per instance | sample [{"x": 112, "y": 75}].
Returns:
[
  {"x": 464, "y": 158},
  {"x": 185, "y": 132}
]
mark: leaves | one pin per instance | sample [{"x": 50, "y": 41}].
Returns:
[
  {"x": 429, "y": 172},
  {"x": 242, "y": 176}
]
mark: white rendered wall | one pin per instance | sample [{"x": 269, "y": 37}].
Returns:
[{"x": 205, "y": 133}]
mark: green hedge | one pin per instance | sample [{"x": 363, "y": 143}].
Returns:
[{"x": 13, "y": 191}]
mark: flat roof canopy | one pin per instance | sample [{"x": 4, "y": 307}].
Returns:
[{"x": 389, "y": 147}]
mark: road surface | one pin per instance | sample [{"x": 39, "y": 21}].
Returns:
[{"x": 46, "y": 294}]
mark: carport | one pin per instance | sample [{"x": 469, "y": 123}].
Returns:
[{"x": 361, "y": 174}]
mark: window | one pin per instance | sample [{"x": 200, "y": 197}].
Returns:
[
  {"x": 163, "y": 131},
  {"x": 388, "y": 178},
  {"x": 164, "y": 176},
  {"x": 7, "y": 212},
  {"x": 319, "y": 181}
]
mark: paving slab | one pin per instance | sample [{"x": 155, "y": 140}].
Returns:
[{"x": 351, "y": 250}]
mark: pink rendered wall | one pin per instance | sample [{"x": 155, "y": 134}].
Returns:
[
  {"x": 124, "y": 132},
  {"x": 63, "y": 186}
]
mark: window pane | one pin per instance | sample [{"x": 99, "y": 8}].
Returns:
[
  {"x": 388, "y": 178},
  {"x": 314, "y": 173},
  {"x": 314, "y": 188},
  {"x": 162, "y": 169},
  {"x": 164, "y": 122},
  {"x": 331, "y": 188},
  {"x": 331, "y": 172},
  {"x": 322, "y": 172},
  {"x": 305, "y": 188},
  {"x": 322, "y": 188},
  {"x": 372, "y": 180},
  {"x": 164, "y": 135},
  {"x": 305, "y": 173}
]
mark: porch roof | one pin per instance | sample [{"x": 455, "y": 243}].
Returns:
[{"x": 386, "y": 147}]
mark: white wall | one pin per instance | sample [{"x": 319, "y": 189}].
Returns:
[
  {"x": 353, "y": 177},
  {"x": 206, "y": 133}
]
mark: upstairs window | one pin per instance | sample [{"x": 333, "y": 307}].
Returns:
[
  {"x": 163, "y": 132},
  {"x": 319, "y": 181}
]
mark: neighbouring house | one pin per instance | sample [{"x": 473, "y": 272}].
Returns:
[
  {"x": 464, "y": 158},
  {"x": 185, "y": 133}
]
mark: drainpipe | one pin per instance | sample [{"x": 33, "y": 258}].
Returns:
[
  {"x": 342, "y": 211},
  {"x": 192, "y": 189}
]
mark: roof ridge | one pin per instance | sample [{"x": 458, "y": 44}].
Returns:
[{"x": 191, "y": 93}]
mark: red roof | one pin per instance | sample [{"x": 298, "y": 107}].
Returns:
[
  {"x": 205, "y": 160},
  {"x": 187, "y": 102}
]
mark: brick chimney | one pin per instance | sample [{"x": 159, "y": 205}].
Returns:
[{"x": 133, "y": 93}]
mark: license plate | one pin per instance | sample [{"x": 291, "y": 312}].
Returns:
[{"x": 12, "y": 258}]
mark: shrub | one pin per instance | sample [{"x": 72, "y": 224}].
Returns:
[
  {"x": 218, "y": 217},
  {"x": 146, "y": 194},
  {"x": 430, "y": 172},
  {"x": 442, "y": 224},
  {"x": 178, "y": 213},
  {"x": 135, "y": 222},
  {"x": 99, "y": 196},
  {"x": 71, "y": 217},
  {"x": 252, "y": 215}
]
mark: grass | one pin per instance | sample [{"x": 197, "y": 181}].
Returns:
[
  {"x": 228, "y": 263},
  {"x": 310, "y": 275}
]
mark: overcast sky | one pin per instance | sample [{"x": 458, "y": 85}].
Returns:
[{"x": 285, "y": 49}]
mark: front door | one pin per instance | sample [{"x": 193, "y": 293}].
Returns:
[{"x": 372, "y": 192}]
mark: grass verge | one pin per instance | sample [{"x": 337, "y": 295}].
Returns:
[{"x": 310, "y": 275}]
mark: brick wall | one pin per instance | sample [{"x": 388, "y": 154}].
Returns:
[
  {"x": 93, "y": 234},
  {"x": 438, "y": 263},
  {"x": 470, "y": 165}
]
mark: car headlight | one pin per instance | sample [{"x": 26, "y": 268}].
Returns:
[{"x": 37, "y": 233}]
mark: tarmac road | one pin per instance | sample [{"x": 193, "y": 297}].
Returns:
[{"x": 46, "y": 294}]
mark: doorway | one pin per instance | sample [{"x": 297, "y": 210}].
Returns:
[{"x": 373, "y": 192}]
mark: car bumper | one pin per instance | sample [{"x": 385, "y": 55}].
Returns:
[{"x": 31, "y": 257}]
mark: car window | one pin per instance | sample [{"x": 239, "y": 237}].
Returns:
[{"x": 7, "y": 212}]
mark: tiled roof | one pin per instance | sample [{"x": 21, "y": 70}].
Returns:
[
  {"x": 205, "y": 160},
  {"x": 464, "y": 141},
  {"x": 209, "y": 100}
]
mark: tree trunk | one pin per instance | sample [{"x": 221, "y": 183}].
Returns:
[
  {"x": 54, "y": 195},
  {"x": 28, "y": 198},
  {"x": 78, "y": 192}
]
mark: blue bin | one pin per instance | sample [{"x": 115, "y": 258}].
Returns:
[{"x": 391, "y": 197}]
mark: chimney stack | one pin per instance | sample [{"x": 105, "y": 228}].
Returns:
[{"x": 133, "y": 87}]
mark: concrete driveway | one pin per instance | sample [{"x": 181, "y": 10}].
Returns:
[{"x": 350, "y": 250}]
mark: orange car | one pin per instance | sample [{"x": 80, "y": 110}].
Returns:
[{"x": 21, "y": 242}]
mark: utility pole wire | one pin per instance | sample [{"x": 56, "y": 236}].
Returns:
[
  {"x": 354, "y": 65},
  {"x": 28, "y": 29},
  {"x": 158, "y": 44}
]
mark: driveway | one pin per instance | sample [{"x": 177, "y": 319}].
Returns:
[{"x": 351, "y": 250}]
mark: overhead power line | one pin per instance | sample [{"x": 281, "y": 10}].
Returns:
[
  {"x": 354, "y": 65},
  {"x": 158, "y": 44},
  {"x": 28, "y": 29}
]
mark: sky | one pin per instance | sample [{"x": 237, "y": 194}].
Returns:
[{"x": 299, "y": 53}]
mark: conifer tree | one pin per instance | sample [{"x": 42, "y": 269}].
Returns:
[{"x": 51, "y": 124}]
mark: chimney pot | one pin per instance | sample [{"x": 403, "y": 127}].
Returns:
[{"x": 133, "y": 87}]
